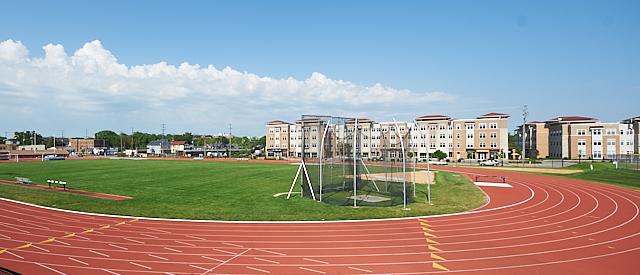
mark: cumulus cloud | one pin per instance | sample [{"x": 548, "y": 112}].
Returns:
[{"x": 92, "y": 87}]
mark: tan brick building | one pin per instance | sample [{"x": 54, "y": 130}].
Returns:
[{"x": 86, "y": 144}]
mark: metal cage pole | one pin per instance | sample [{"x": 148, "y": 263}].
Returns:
[
  {"x": 322, "y": 154},
  {"x": 355, "y": 164},
  {"x": 404, "y": 167}
]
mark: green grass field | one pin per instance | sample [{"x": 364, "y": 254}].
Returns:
[
  {"x": 607, "y": 173},
  {"x": 210, "y": 190}
]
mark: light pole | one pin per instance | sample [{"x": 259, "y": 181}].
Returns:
[{"x": 525, "y": 113}]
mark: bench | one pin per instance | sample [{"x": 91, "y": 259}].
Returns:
[
  {"x": 59, "y": 183},
  {"x": 21, "y": 180}
]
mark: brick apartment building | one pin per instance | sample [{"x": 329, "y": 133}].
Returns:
[
  {"x": 484, "y": 137},
  {"x": 86, "y": 144},
  {"x": 577, "y": 137}
]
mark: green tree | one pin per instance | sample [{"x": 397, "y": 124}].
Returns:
[
  {"x": 26, "y": 138},
  {"x": 439, "y": 155}
]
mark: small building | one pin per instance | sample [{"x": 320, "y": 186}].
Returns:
[
  {"x": 158, "y": 147},
  {"x": 178, "y": 147},
  {"x": 87, "y": 144},
  {"x": 32, "y": 147}
]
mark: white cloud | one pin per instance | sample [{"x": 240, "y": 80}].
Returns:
[{"x": 92, "y": 87}]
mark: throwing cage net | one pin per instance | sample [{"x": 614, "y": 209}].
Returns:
[{"x": 354, "y": 162}]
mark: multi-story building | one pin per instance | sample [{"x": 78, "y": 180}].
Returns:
[
  {"x": 484, "y": 137},
  {"x": 577, "y": 137}
]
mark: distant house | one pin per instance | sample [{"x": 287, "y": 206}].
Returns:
[
  {"x": 86, "y": 144},
  {"x": 158, "y": 147},
  {"x": 178, "y": 147}
]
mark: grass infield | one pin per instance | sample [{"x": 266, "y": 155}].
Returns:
[
  {"x": 210, "y": 190},
  {"x": 606, "y": 172}
]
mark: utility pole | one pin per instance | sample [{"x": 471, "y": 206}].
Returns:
[
  {"x": 133, "y": 146},
  {"x": 525, "y": 113},
  {"x": 163, "y": 139},
  {"x": 229, "y": 143}
]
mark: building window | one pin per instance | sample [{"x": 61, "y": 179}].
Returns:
[
  {"x": 494, "y": 135},
  {"x": 482, "y": 126},
  {"x": 493, "y": 125},
  {"x": 596, "y": 132},
  {"x": 483, "y": 135}
]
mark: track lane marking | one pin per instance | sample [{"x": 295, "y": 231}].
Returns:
[
  {"x": 174, "y": 250},
  {"x": 317, "y": 261},
  {"x": 78, "y": 261},
  {"x": 266, "y": 260},
  {"x": 101, "y": 254},
  {"x": 269, "y": 251},
  {"x": 109, "y": 271},
  {"x": 359, "y": 269},
  {"x": 312, "y": 270},
  {"x": 158, "y": 257},
  {"x": 185, "y": 243},
  {"x": 143, "y": 266},
  {"x": 51, "y": 269},
  {"x": 117, "y": 246},
  {"x": 258, "y": 269},
  {"x": 213, "y": 259},
  {"x": 228, "y": 260}
]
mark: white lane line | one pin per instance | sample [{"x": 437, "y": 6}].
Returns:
[
  {"x": 228, "y": 260},
  {"x": 97, "y": 232},
  {"x": 174, "y": 250},
  {"x": 317, "y": 261},
  {"x": 109, "y": 271},
  {"x": 143, "y": 266},
  {"x": 17, "y": 229},
  {"x": 265, "y": 260},
  {"x": 14, "y": 254},
  {"x": 82, "y": 237},
  {"x": 150, "y": 236},
  {"x": 198, "y": 267},
  {"x": 189, "y": 244},
  {"x": 360, "y": 269},
  {"x": 258, "y": 269},
  {"x": 132, "y": 240},
  {"x": 194, "y": 237},
  {"x": 158, "y": 257},
  {"x": 158, "y": 230},
  {"x": 272, "y": 252},
  {"x": 223, "y": 251},
  {"x": 101, "y": 254},
  {"x": 77, "y": 261},
  {"x": 117, "y": 246},
  {"x": 40, "y": 248},
  {"x": 5, "y": 237},
  {"x": 231, "y": 244},
  {"x": 312, "y": 270},
  {"x": 213, "y": 259},
  {"x": 59, "y": 241},
  {"x": 49, "y": 268},
  {"x": 32, "y": 224}
]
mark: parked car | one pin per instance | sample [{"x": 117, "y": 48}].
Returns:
[{"x": 489, "y": 162}]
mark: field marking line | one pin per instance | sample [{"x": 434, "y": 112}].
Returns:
[
  {"x": 109, "y": 271},
  {"x": 269, "y": 251},
  {"x": 359, "y": 269},
  {"x": 223, "y": 251},
  {"x": 49, "y": 268},
  {"x": 132, "y": 240},
  {"x": 16, "y": 229},
  {"x": 78, "y": 261},
  {"x": 231, "y": 244},
  {"x": 265, "y": 260},
  {"x": 5, "y": 237},
  {"x": 174, "y": 250},
  {"x": 185, "y": 243},
  {"x": 213, "y": 259},
  {"x": 158, "y": 257},
  {"x": 158, "y": 230},
  {"x": 82, "y": 237},
  {"x": 228, "y": 260},
  {"x": 14, "y": 254},
  {"x": 312, "y": 270},
  {"x": 198, "y": 267},
  {"x": 99, "y": 253},
  {"x": 40, "y": 248},
  {"x": 117, "y": 246},
  {"x": 32, "y": 224},
  {"x": 59, "y": 241},
  {"x": 143, "y": 266},
  {"x": 317, "y": 261},
  {"x": 149, "y": 236},
  {"x": 258, "y": 269},
  {"x": 194, "y": 237}
]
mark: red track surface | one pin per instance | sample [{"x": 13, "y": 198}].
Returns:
[{"x": 543, "y": 225}]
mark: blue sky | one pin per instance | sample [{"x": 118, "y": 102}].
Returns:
[{"x": 461, "y": 58}]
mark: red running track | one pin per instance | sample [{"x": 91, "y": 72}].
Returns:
[{"x": 542, "y": 225}]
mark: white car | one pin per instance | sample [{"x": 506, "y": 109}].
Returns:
[{"x": 489, "y": 162}]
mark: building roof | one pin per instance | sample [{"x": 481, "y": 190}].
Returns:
[
  {"x": 360, "y": 120},
  {"x": 178, "y": 142},
  {"x": 277, "y": 122},
  {"x": 494, "y": 115},
  {"x": 568, "y": 119},
  {"x": 160, "y": 142},
  {"x": 432, "y": 117}
]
